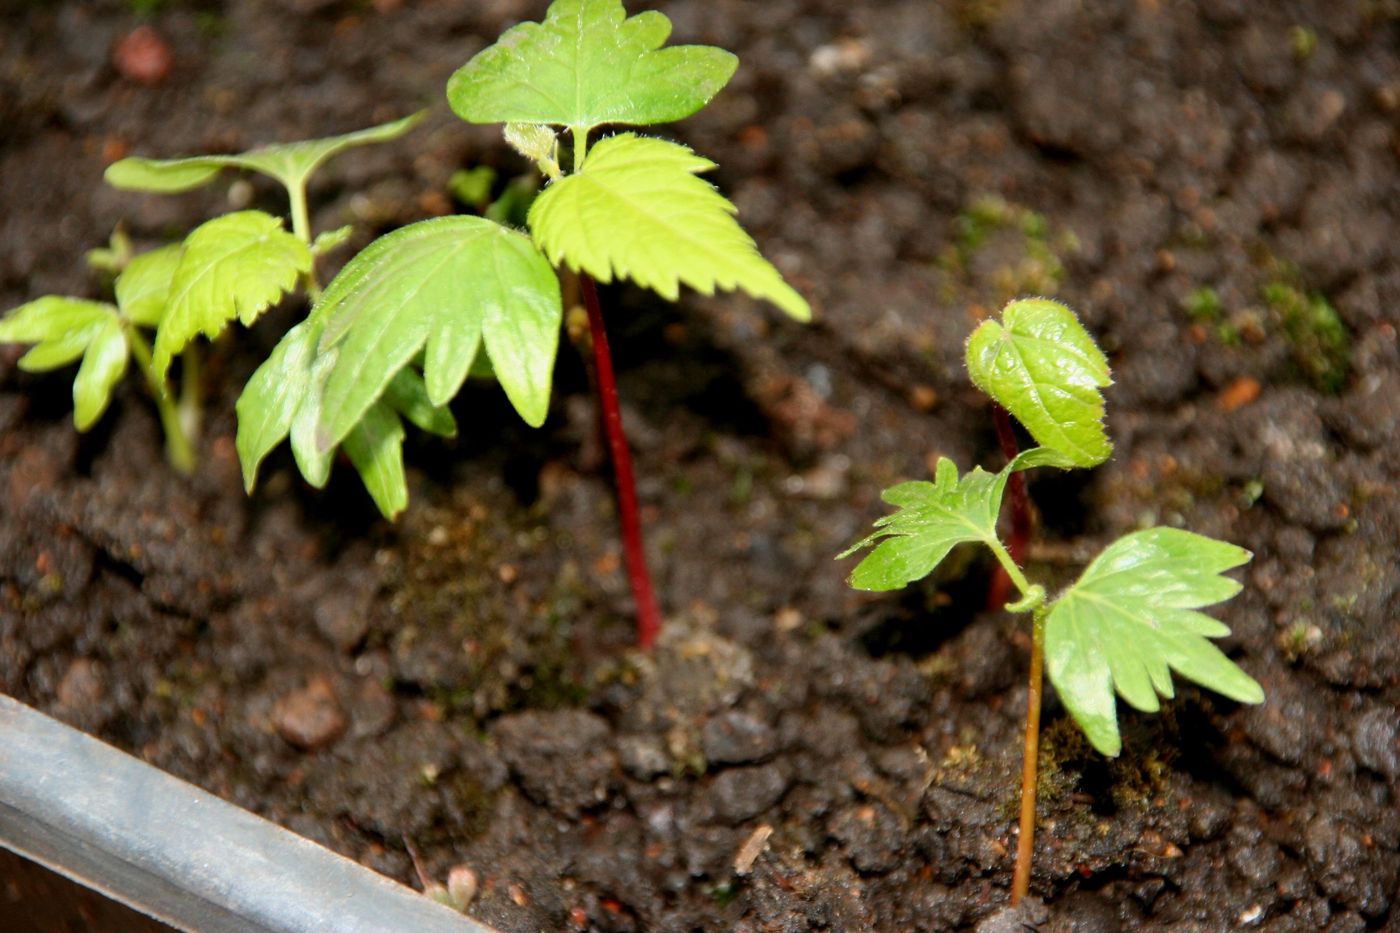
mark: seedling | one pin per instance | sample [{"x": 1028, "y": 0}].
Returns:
[
  {"x": 411, "y": 315},
  {"x": 1131, "y": 618},
  {"x": 234, "y": 266}
]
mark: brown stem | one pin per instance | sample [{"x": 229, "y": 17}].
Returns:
[
  {"x": 1022, "y": 521},
  {"x": 1025, "y": 844},
  {"x": 648, "y": 615}
]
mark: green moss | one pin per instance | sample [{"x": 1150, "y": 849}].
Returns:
[
  {"x": 1319, "y": 339},
  {"x": 1035, "y": 265},
  {"x": 1203, "y": 305}
]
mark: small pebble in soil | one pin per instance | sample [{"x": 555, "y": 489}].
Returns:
[
  {"x": 741, "y": 794},
  {"x": 562, "y": 759},
  {"x": 735, "y": 738},
  {"x": 310, "y": 718},
  {"x": 143, "y": 57}
]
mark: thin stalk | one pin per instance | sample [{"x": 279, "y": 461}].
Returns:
[
  {"x": 1022, "y": 520},
  {"x": 648, "y": 615},
  {"x": 580, "y": 134},
  {"x": 178, "y": 448},
  {"x": 191, "y": 402},
  {"x": 301, "y": 227},
  {"x": 1025, "y": 843}
]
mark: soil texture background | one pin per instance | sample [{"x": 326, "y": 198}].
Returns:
[{"x": 1212, "y": 185}]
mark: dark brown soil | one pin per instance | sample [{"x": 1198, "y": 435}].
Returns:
[{"x": 1189, "y": 176}]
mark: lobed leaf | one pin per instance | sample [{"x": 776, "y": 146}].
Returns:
[
  {"x": 289, "y": 163},
  {"x": 375, "y": 447},
  {"x": 447, "y": 287},
  {"x": 234, "y": 266},
  {"x": 638, "y": 211},
  {"x": 1132, "y": 618},
  {"x": 63, "y": 330},
  {"x": 1041, "y": 365},
  {"x": 588, "y": 64},
  {"x": 932, "y": 519},
  {"x": 143, "y": 288}
]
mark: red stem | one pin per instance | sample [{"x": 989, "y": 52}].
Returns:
[
  {"x": 648, "y": 615},
  {"x": 1022, "y": 522}
]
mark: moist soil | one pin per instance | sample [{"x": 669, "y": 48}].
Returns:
[{"x": 1212, "y": 185}]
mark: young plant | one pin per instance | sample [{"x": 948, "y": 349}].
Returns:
[
  {"x": 237, "y": 265},
  {"x": 1132, "y": 616},
  {"x": 431, "y": 297}
]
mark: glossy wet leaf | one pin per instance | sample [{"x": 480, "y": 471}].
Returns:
[
  {"x": 282, "y": 399},
  {"x": 143, "y": 288},
  {"x": 1132, "y": 619},
  {"x": 638, "y": 211},
  {"x": 234, "y": 266},
  {"x": 931, "y": 520},
  {"x": 289, "y": 163},
  {"x": 1041, "y": 365},
  {"x": 64, "y": 330},
  {"x": 588, "y": 64},
  {"x": 446, "y": 287}
]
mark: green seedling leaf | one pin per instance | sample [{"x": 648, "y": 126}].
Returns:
[
  {"x": 535, "y": 141},
  {"x": 331, "y": 240},
  {"x": 1131, "y": 619},
  {"x": 932, "y": 519},
  {"x": 143, "y": 288},
  {"x": 234, "y": 266},
  {"x": 104, "y": 363},
  {"x": 114, "y": 256},
  {"x": 472, "y": 186},
  {"x": 283, "y": 398},
  {"x": 445, "y": 286},
  {"x": 587, "y": 64},
  {"x": 375, "y": 447},
  {"x": 63, "y": 330},
  {"x": 289, "y": 163},
  {"x": 1040, "y": 364},
  {"x": 638, "y": 211}
]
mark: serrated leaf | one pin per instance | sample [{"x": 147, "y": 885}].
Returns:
[
  {"x": 375, "y": 447},
  {"x": 104, "y": 363},
  {"x": 59, "y": 327},
  {"x": 1040, "y": 364},
  {"x": 638, "y": 211},
  {"x": 143, "y": 288},
  {"x": 234, "y": 266},
  {"x": 289, "y": 163},
  {"x": 445, "y": 286},
  {"x": 1131, "y": 619},
  {"x": 932, "y": 519},
  {"x": 587, "y": 64}
]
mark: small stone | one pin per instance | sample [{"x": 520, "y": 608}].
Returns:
[
  {"x": 734, "y": 738},
  {"x": 1375, "y": 740},
  {"x": 342, "y": 618},
  {"x": 310, "y": 718},
  {"x": 741, "y": 794},
  {"x": 82, "y": 687},
  {"x": 643, "y": 757},
  {"x": 143, "y": 56}
]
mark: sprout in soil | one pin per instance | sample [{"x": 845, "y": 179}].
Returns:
[
  {"x": 234, "y": 266},
  {"x": 1131, "y": 618},
  {"x": 422, "y": 307}
]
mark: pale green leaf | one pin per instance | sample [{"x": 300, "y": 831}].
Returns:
[
  {"x": 638, "y": 211},
  {"x": 587, "y": 64},
  {"x": 233, "y": 266},
  {"x": 271, "y": 397},
  {"x": 59, "y": 327},
  {"x": 104, "y": 363},
  {"x": 143, "y": 288},
  {"x": 534, "y": 141},
  {"x": 444, "y": 286},
  {"x": 408, "y": 396},
  {"x": 932, "y": 519},
  {"x": 331, "y": 240},
  {"x": 289, "y": 163},
  {"x": 375, "y": 447},
  {"x": 62, "y": 330},
  {"x": 1132, "y": 619},
  {"x": 1040, "y": 364}
]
